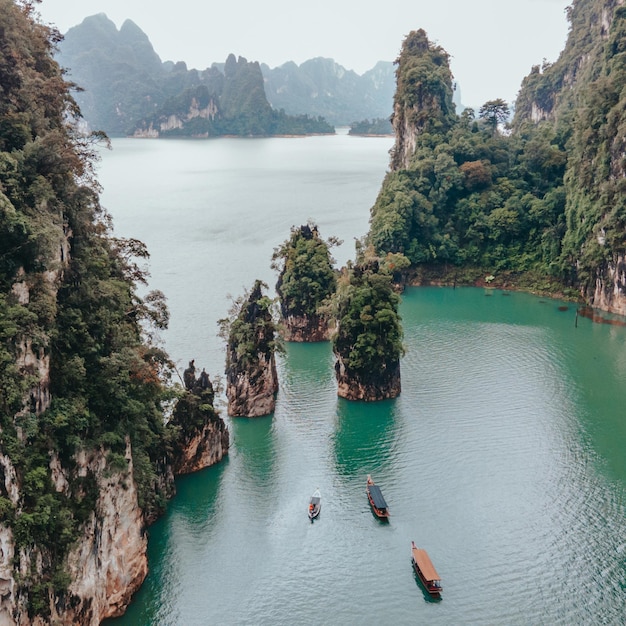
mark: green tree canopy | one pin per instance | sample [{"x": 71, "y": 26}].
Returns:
[{"x": 306, "y": 277}]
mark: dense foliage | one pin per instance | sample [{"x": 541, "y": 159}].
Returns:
[
  {"x": 306, "y": 279},
  {"x": 249, "y": 331},
  {"x": 376, "y": 126},
  {"x": 474, "y": 197},
  {"x": 68, "y": 297},
  {"x": 368, "y": 338},
  {"x": 544, "y": 198}
]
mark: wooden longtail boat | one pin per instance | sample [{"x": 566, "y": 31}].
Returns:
[
  {"x": 376, "y": 499},
  {"x": 425, "y": 570}
]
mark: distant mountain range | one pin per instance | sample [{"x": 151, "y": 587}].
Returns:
[
  {"x": 125, "y": 89},
  {"x": 322, "y": 87}
]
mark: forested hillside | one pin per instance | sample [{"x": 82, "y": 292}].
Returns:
[
  {"x": 539, "y": 204},
  {"x": 86, "y": 456}
]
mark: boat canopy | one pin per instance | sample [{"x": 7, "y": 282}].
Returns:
[
  {"x": 377, "y": 497},
  {"x": 425, "y": 565}
]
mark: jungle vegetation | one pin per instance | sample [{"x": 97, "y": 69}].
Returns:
[
  {"x": 542, "y": 197},
  {"x": 368, "y": 338},
  {"x": 306, "y": 275},
  {"x": 68, "y": 294}
]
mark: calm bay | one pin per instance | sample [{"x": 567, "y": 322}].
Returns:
[{"x": 503, "y": 456}]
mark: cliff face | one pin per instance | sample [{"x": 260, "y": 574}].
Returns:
[
  {"x": 609, "y": 292},
  {"x": 85, "y": 457},
  {"x": 582, "y": 96},
  {"x": 251, "y": 377},
  {"x": 109, "y": 562},
  {"x": 106, "y": 566},
  {"x": 252, "y": 393},
  {"x": 423, "y": 98},
  {"x": 351, "y": 387},
  {"x": 176, "y": 122},
  {"x": 305, "y": 328}
]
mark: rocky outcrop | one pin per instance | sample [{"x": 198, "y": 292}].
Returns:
[
  {"x": 368, "y": 342},
  {"x": 203, "y": 436},
  {"x": 351, "y": 387},
  {"x": 609, "y": 292},
  {"x": 305, "y": 328},
  {"x": 252, "y": 392},
  {"x": 251, "y": 378},
  {"x": 423, "y": 96},
  {"x": 306, "y": 283}
]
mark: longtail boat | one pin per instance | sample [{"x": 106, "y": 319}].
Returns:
[
  {"x": 425, "y": 570},
  {"x": 376, "y": 499}
]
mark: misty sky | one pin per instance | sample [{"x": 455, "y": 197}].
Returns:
[{"x": 493, "y": 43}]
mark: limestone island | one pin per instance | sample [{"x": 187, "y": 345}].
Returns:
[
  {"x": 250, "y": 333},
  {"x": 368, "y": 340},
  {"x": 306, "y": 282}
]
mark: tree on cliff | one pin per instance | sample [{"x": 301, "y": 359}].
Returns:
[
  {"x": 368, "y": 339},
  {"x": 306, "y": 280},
  {"x": 494, "y": 112},
  {"x": 251, "y": 343}
]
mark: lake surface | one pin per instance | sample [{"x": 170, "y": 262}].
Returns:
[{"x": 503, "y": 456}]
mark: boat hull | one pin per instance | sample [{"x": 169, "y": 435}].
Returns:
[
  {"x": 315, "y": 505},
  {"x": 435, "y": 593}
]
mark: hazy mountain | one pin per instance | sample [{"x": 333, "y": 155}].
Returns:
[
  {"x": 125, "y": 83},
  {"x": 321, "y": 86}
]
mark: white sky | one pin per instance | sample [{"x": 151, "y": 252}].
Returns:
[{"x": 493, "y": 43}]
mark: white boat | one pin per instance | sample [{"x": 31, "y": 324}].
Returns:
[{"x": 315, "y": 504}]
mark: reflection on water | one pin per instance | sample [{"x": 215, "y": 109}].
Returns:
[
  {"x": 364, "y": 438},
  {"x": 493, "y": 459},
  {"x": 253, "y": 443},
  {"x": 503, "y": 456}
]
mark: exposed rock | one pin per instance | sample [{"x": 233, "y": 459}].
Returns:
[
  {"x": 109, "y": 563},
  {"x": 351, "y": 387},
  {"x": 204, "y": 437},
  {"x": 305, "y": 328},
  {"x": 251, "y": 378},
  {"x": 252, "y": 393},
  {"x": 7, "y": 582},
  {"x": 423, "y": 96},
  {"x": 609, "y": 293}
]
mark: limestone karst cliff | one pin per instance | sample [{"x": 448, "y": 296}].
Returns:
[
  {"x": 87, "y": 458},
  {"x": 583, "y": 97},
  {"x": 306, "y": 281},
  {"x": 251, "y": 343},
  {"x": 538, "y": 205},
  {"x": 125, "y": 89}
]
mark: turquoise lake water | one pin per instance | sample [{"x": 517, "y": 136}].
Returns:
[{"x": 503, "y": 456}]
